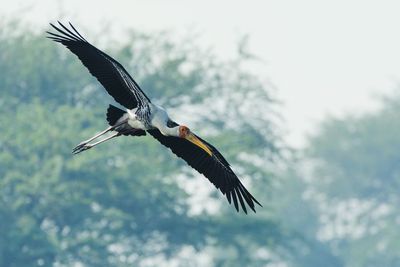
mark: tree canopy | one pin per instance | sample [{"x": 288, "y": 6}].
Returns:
[{"x": 356, "y": 175}]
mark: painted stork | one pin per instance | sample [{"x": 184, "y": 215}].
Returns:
[{"x": 141, "y": 116}]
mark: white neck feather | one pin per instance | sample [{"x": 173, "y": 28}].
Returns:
[
  {"x": 160, "y": 120},
  {"x": 174, "y": 131}
]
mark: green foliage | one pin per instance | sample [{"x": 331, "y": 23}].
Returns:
[{"x": 357, "y": 175}]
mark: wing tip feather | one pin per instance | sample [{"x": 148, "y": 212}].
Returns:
[
  {"x": 65, "y": 34},
  {"x": 240, "y": 194}
]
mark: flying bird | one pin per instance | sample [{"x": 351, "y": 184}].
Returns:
[{"x": 142, "y": 116}]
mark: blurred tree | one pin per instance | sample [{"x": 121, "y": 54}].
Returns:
[{"x": 356, "y": 182}]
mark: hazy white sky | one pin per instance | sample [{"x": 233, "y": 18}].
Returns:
[{"x": 324, "y": 57}]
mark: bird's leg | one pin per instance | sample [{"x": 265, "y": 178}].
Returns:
[
  {"x": 87, "y": 146},
  {"x": 83, "y": 143},
  {"x": 96, "y": 136}
]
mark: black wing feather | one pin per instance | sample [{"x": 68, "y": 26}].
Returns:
[
  {"x": 215, "y": 167},
  {"x": 110, "y": 73}
]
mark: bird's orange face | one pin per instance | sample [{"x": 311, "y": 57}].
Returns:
[{"x": 183, "y": 131}]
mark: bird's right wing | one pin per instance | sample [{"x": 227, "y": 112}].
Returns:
[
  {"x": 213, "y": 166},
  {"x": 111, "y": 74}
]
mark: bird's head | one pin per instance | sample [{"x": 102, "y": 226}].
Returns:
[{"x": 185, "y": 133}]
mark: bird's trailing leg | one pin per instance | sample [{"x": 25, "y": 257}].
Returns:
[
  {"x": 86, "y": 142},
  {"x": 96, "y": 136},
  {"x": 86, "y": 146}
]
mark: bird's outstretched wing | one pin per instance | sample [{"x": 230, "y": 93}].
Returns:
[
  {"x": 115, "y": 79},
  {"x": 214, "y": 167}
]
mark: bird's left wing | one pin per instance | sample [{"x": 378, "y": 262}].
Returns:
[
  {"x": 110, "y": 73},
  {"x": 214, "y": 167}
]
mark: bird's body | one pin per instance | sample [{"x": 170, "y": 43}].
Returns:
[
  {"x": 141, "y": 116},
  {"x": 157, "y": 118},
  {"x": 134, "y": 121}
]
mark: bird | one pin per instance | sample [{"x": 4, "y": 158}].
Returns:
[{"x": 141, "y": 117}]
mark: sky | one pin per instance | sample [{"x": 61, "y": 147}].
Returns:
[{"x": 323, "y": 57}]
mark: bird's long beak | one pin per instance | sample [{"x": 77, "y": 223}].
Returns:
[{"x": 192, "y": 138}]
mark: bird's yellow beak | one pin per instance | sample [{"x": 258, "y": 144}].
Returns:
[{"x": 192, "y": 138}]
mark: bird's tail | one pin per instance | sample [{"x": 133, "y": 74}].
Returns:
[{"x": 113, "y": 114}]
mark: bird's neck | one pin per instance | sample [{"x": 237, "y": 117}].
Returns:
[{"x": 165, "y": 130}]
